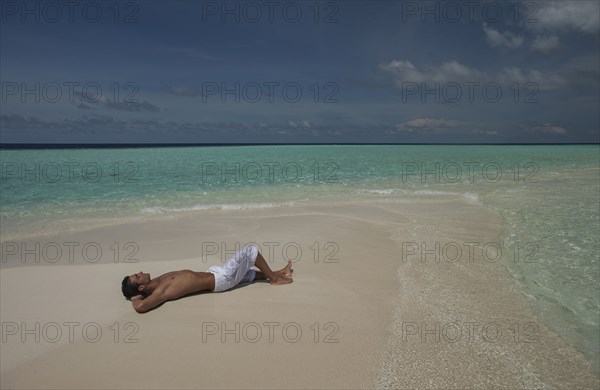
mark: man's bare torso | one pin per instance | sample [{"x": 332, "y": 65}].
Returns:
[
  {"x": 177, "y": 284},
  {"x": 173, "y": 285}
]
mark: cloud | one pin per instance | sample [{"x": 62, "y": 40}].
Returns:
[
  {"x": 182, "y": 90},
  {"x": 130, "y": 106},
  {"x": 545, "y": 44},
  {"x": 140, "y": 127},
  {"x": 304, "y": 123},
  {"x": 83, "y": 106},
  {"x": 581, "y": 16},
  {"x": 549, "y": 129},
  {"x": 547, "y": 19},
  {"x": 544, "y": 80},
  {"x": 505, "y": 39},
  {"x": 452, "y": 71},
  {"x": 485, "y": 132},
  {"x": 105, "y": 128},
  {"x": 19, "y": 122},
  {"x": 427, "y": 126}
]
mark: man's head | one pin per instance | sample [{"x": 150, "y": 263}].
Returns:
[{"x": 135, "y": 284}]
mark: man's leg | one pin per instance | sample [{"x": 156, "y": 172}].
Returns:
[
  {"x": 282, "y": 276},
  {"x": 239, "y": 268}
]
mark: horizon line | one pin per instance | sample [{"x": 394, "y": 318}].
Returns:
[{"x": 22, "y": 145}]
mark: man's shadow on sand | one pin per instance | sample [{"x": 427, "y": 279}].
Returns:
[{"x": 241, "y": 285}]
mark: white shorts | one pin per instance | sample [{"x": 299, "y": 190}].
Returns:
[{"x": 238, "y": 269}]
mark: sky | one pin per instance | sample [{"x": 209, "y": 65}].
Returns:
[{"x": 299, "y": 71}]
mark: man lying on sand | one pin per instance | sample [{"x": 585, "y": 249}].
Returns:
[{"x": 146, "y": 294}]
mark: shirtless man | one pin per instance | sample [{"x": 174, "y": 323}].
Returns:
[{"x": 146, "y": 294}]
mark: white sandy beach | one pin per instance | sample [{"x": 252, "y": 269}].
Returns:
[{"x": 345, "y": 323}]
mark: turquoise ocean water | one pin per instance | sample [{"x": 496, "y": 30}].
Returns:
[{"x": 549, "y": 197}]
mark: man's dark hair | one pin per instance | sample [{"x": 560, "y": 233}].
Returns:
[{"x": 129, "y": 289}]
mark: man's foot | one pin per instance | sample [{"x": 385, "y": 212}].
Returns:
[
  {"x": 283, "y": 276},
  {"x": 280, "y": 280},
  {"x": 285, "y": 272}
]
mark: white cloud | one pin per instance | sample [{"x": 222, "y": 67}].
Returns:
[
  {"x": 447, "y": 72},
  {"x": 544, "y": 80},
  {"x": 545, "y": 44},
  {"x": 427, "y": 122},
  {"x": 485, "y": 132},
  {"x": 404, "y": 68},
  {"x": 427, "y": 125},
  {"x": 582, "y": 16},
  {"x": 404, "y": 71},
  {"x": 304, "y": 123},
  {"x": 506, "y": 39},
  {"x": 182, "y": 90},
  {"x": 549, "y": 129}
]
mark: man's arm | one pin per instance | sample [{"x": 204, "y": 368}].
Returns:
[{"x": 142, "y": 305}]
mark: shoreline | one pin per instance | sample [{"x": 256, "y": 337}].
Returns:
[
  {"x": 362, "y": 301},
  {"x": 81, "y": 224},
  {"x": 476, "y": 317}
]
